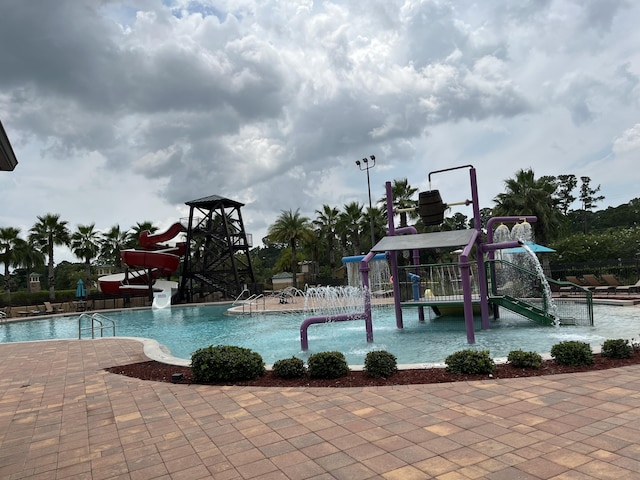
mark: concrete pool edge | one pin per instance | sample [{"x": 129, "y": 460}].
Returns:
[{"x": 155, "y": 351}]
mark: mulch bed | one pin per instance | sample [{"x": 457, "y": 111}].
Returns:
[{"x": 162, "y": 372}]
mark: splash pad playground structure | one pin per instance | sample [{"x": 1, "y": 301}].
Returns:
[{"x": 485, "y": 284}]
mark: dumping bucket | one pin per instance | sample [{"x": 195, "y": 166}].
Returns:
[{"x": 431, "y": 208}]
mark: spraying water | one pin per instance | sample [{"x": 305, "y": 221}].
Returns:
[
  {"x": 552, "y": 308},
  {"x": 528, "y": 259},
  {"x": 379, "y": 273},
  {"x": 333, "y": 300}
]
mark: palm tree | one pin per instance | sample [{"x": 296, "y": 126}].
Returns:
[
  {"x": 290, "y": 228},
  {"x": 402, "y": 194},
  {"x": 12, "y": 249},
  {"x": 111, "y": 242},
  {"x": 379, "y": 223},
  {"x": 85, "y": 245},
  {"x": 526, "y": 195},
  {"x": 326, "y": 222},
  {"x": 48, "y": 232},
  {"x": 349, "y": 227},
  {"x": 134, "y": 233}
]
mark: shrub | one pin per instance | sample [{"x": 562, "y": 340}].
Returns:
[
  {"x": 470, "y": 362},
  {"x": 226, "y": 363},
  {"x": 618, "y": 348},
  {"x": 521, "y": 359},
  {"x": 327, "y": 365},
  {"x": 572, "y": 353},
  {"x": 380, "y": 364},
  {"x": 289, "y": 368}
]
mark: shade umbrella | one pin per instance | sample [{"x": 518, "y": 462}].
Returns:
[
  {"x": 80, "y": 292},
  {"x": 534, "y": 247}
]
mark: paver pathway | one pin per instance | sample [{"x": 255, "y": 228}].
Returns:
[{"x": 63, "y": 416}]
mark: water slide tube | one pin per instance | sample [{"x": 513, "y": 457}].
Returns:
[
  {"x": 163, "y": 290},
  {"x": 157, "y": 259}
]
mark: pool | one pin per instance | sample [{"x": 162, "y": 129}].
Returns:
[{"x": 182, "y": 330}]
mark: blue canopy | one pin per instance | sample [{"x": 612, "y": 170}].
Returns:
[{"x": 534, "y": 247}]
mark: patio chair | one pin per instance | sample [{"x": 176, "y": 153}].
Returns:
[
  {"x": 635, "y": 288},
  {"x": 611, "y": 284},
  {"x": 382, "y": 293},
  {"x": 592, "y": 281},
  {"x": 611, "y": 280},
  {"x": 48, "y": 308},
  {"x": 576, "y": 282}
]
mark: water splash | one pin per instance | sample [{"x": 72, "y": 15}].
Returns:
[
  {"x": 379, "y": 274},
  {"x": 529, "y": 260},
  {"x": 522, "y": 232},
  {"x": 551, "y": 306},
  {"x": 333, "y": 300}
]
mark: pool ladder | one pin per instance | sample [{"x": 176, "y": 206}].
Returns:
[
  {"x": 98, "y": 323},
  {"x": 250, "y": 302}
]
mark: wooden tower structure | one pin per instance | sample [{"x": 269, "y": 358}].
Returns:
[{"x": 217, "y": 257}]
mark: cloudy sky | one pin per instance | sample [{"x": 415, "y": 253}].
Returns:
[{"x": 121, "y": 111}]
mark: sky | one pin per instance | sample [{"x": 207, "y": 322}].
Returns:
[{"x": 121, "y": 111}]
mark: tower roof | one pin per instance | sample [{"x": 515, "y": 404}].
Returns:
[{"x": 213, "y": 201}]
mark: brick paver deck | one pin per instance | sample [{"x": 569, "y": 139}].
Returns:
[{"x": 63, "y": 416}]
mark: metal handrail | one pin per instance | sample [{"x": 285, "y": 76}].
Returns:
[
  {"x": 100, "y": 320},
  {"x": 239, "y": 299},
  {"x": 250, "y": 301}
]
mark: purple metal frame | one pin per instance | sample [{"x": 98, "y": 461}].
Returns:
[{"x": 465, "y": 268}]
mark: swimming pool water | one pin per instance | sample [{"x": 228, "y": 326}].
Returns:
[{"x": 182, "y": 330}]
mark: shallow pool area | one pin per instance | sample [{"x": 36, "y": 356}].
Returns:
[{"x": 182, "y": 330}]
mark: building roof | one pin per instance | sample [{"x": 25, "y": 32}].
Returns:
[
  {"x": 8, "y": 159},
  {"x": 282, "y": 275}
]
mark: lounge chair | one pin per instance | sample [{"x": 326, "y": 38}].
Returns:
[
  {"x": 635, "y": 288},
  {"x": 48, "y": 308},
  {"x": 611, "y": 284},
  {"x": 572, "y": 288},
  {"x": 29, "y": 313},
  {"x": 382, "y": 293},
  {"x": 592, "y": 281}
]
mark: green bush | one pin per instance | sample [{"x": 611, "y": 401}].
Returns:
[
  {"x": 572, "y": 353},
  {"x": 521, "y": 359},
  {"x": 289, "y": 368},
  {"x": 327, "y": 365},
  {"x": 470, "y": 362},
  {"x": 226, "y": 363},
  {"x": 380, "y": 364},
  {"x": 618, "y": 348}
]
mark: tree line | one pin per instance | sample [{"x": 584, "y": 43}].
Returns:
[
  {"x": 337, "y": 232},
  {"x": 85, "y": 242}
]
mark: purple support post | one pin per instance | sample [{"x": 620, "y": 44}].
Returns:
[
  {"x": 482, "y": 276},
  {"x": 393, "y": 257},
  {"x": 416, "y": 261},
  {"x": 364, "y": 271},
  {"x": 465, "y": 272}
]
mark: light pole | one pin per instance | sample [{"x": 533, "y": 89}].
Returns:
[{"x": 365, "y": 165}]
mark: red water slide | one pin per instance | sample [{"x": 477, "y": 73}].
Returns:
[{"x": 154, "y": 258}]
